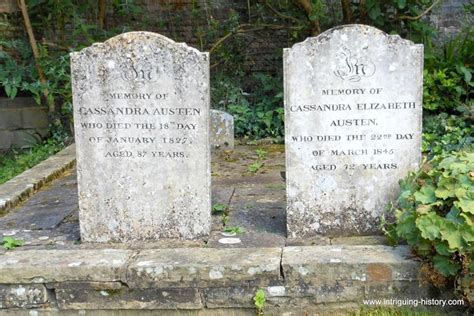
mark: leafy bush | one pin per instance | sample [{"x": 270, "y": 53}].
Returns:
[
  {"x": 17, "y": 70},
  {"x": 448, "y": 75},
  {"x": 257, "y": 113},
  {"x": 434, "y": 214},
  {"x": 445, "y": 133}
]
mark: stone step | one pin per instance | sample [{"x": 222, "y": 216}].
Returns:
[{"x": 199, "y": 278}]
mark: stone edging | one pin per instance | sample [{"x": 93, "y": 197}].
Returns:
[
  {"x": 24, "y": 185},
  {"x": 204, "y": 278}
]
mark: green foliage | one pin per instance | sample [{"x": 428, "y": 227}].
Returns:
[
  {"x": 18, "y": 74},
  {"x": 234, "y": 230},
  {"x": 254, "y": 167},
  {"x": 261, "y": 154},
  {"x": 225, "y": 218},
  {"x": 393, "y": 311},
  {"x": 448, "y": 75},
  {"x": 223, "y": 210},
  {"x": 10, "y": 242},
  {"x": 259, "y": 301},
  {"x": 63, "y": 26},
  {"x": 16, "y": 161},
  {"x": 434, "y": 213},
  {"x": 257, "y": 113},
  {"x": 255, "y": 99},
  {"x": 257, "y": 165},
  {"x": 445, "y": 133},
  {"x": 219, "y": 208}
]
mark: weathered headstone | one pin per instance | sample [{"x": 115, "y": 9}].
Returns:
[
  {"x": 353, "y": 109},
  {"x": 141, "y": 116},
  {"x": 222, "y": 130}
]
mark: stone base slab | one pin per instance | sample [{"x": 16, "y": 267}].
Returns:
[{"x": 201, "y": 280}]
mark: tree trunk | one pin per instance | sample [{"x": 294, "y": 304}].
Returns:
[
  {"x": 36, "y": 55},
  {"x": 347, "y": 15},
  {"x": 363, "y": 11},
  {"x": 101, "y": 14},
  {"x": 307, "y": 6}
]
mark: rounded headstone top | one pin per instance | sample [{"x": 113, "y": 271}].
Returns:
[
  {"x": 362, "y": 29},
  {"x": 138, "y": 37}
]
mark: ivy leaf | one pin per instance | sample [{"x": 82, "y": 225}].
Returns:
[
  {"x": 406, "y": 223},
  {"x": 458, "y": 168},
  {"x": 467, "y": 73},
  {"x": 426, "y": 195},
  {"x": 443, "y": 249},
  {"x": 447, "y": 162},
  {"x": 466, "y": 205},
  {"x": 401, "y": 3},
  {"x": 467, "y": 232},
  {"x": 452, "y": 234},
  {"x": 404, "y": 199},
  {"x": 445, "y": 266},
  {"x": 453, "y": 216},
  {"x": 460, "y": 192},
  {"x": 423, "y": 247},
  {"x": 423, "y": 209},
  {"x": 219, "y": 208},
  {"x": 374, "y": 11},
  {"x": 429, "y": 226},
  {"x": 445, "y": 188},
  {"x": 464, "y": 181}
]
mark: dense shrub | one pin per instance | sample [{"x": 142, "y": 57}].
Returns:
[
  {"x": 434, "y": 214},
  {"x": 445, "y": 133},
  {"x": 256, "y": 114},
  {"x": 448, "y": 75}
]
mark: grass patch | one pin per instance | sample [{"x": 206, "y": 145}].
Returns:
[
  {"x": 392, "y": 311},
  {"x": 15, "y": 161}
]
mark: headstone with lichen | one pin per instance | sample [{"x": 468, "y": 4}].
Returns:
[{"x": 141, "y": 116}]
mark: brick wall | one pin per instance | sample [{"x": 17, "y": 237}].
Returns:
[{"x": 188, "y": 21}]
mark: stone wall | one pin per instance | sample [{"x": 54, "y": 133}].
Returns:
[
  {"x": 188, "y": 21},
  {"x": 22, "y": 122},
  {"x": 449, "y": 17},
  {"x": 296, "y": 280}
]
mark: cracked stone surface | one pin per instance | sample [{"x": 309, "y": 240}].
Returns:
[{"x": 49, "y": 219}]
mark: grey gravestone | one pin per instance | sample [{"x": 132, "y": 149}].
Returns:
[
  {"x": 353, "y": 110},
  {"x": 141, "y": 116},
  {"x": 222, "y": 130}
]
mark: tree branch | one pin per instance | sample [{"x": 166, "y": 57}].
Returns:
[
  {"x": 281, "y": 15},
  {"x": 101, "y": 14},
  {"x": 36, "y": 55},
  {"x": 414, "y": 18},
  {"x": 363, "y": 11},
  {"x": 346, "y": 12},
  {"x": 241, "y": 29},
  {"x": 308, "y": 8}
]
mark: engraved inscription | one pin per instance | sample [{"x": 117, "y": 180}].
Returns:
[
  {"x": 137, "y": 73},
  {"x": 352, "y": 128},
  {"x": 353, "y": 68}
]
